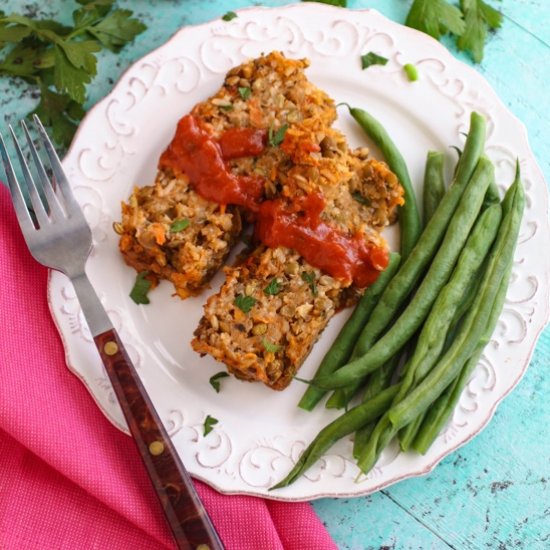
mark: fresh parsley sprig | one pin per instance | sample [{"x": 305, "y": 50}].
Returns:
[
  {"x": 479, "y": 18},
  {"x": 468, "y": 23},
  {"x": 60, "y": 61}
]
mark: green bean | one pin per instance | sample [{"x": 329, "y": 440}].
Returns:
[
  {"x": 342, "y": 426},
  {"x": 433, "y": 335},
  {"x": 493, "y": 196},
  {"x": 381, "y": 435},
  {"x": 341, "y": 397},
  {"x": 378, "y": 381},
  {"x": 341, "y": 349},
  {"x": 409, "y": 218},
  {"x": 434, "y": 184},
  {"x": 419, "y": 307},
  {"x": 437, "y": 416},
  {"x": 432, "y": 338},
  {"x": 407, "y": 434},
  {"x": 412, "y": 269},
  {"x": 476, "y": 320}
]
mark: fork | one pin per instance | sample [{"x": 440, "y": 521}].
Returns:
[{"x": 59, "y": 237}]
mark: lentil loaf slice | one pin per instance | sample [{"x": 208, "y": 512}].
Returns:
[
  {"x": 170, "y": 231},
  {"x": 268, "y": 315}
]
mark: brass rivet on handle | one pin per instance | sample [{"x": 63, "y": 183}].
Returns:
[
  {"x": 156, "y": 448},
  {"x": 110, "y": 348},
  {"x": 203, "y": 547}
]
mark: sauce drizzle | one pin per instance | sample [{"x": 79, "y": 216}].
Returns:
[{"x": 293, "y": 223}]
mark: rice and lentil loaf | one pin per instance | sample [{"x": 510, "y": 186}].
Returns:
[
  {"x": 274, "y": 305},
  {"x": 167, "y": 228}
]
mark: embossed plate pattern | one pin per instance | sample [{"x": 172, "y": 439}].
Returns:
[{"x": 261, "y": 433}]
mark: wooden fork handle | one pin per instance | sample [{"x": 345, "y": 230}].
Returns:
[{"x": 185, "y": 512}]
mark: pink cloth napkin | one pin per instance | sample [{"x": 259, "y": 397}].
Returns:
[{"x": 68, "y": 478}]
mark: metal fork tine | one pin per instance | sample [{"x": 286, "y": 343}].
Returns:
[
  {"x": 21, "y": 210},
  {"x": 38, "y": 206},
  {"x": 57, "y": 169},
  {"x": 53, "y": 202}
]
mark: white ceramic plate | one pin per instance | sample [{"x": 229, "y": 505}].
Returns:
[{"x": 261, "y": 432}]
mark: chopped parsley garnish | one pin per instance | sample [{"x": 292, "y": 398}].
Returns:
[
  {"x": 340, "y": 3},
  {"x": 245, "y": 93},
  {"x": 227, "y": 107},
  {"x": 229, "y": 16},
  {"x": 244, "y": 303},
  {"x": 141, "y": 287},
  {"x": 360, "y": 198},
  {"x": 215, "y": 380},
  {"x": 209, "y": 422},
  {"x": 309, "y": 278},
  {"x": 275, "y": 138},
  {"x": 179, "y": 225},
  {"x": 372, "y": 58},
  {"x": 270, "y": 346},
  {"x": 412, "y": 72},
  {"x": 273, "y": 288}
]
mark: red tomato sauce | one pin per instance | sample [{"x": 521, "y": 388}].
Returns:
[
  {"x": 296, "y": 224},
  {"x": 194, "y": 152}
]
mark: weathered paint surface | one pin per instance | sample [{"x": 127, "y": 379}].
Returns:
[{"x": 494, "y": 492}]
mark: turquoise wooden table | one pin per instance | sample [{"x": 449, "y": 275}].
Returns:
[{"x": 492, "y": 493}]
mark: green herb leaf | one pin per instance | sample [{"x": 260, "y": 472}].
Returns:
[
  {"x": 360, "y": 198},
  {"x": 479, "y": 18},
  {"x": 227, "y": 107},
  {"x": 244, "y": 93},
  {"x": 117, "y": 29},
  {"x": 209, "y": 422},
  {"x": 179, "y": 225},
  {"x": 90, "y": 14},
  {"x": 273, "y": 288},
  {"x": 21, "y": 60},
  {"x": 59, "y": 112},
  {"x": 13, "y": 33},
  {"x": 411, "y": 71},
  {"x": 244, "y": 303},
  {"x": 59, "y": 60},
  {"x": 309, "y": 278},
  {"x": 339, "y": 3},
  {"x": 215, "y": 380},
  {"x": 270, "y": 346},
  {"x": 141, "y": 287},
  {"x": 435, "y": 17},
  {"x": 69, "y": 79},
  {"x": 275, "y": 138},
  {"x": 372, "y": 58},
  {"x": 229, "y": 16},
  {"x": 80, "y": 54}
]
